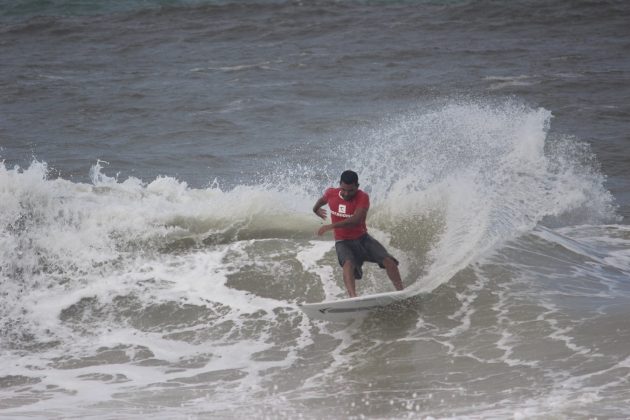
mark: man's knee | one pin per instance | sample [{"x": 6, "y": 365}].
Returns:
[{"x": 389, "y": 262}]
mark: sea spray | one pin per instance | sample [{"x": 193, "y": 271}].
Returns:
[{"x": 476, "y": 174}]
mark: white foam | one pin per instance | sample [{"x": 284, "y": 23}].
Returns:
[
  {"x": 309, "y": 257},
  {"x": 65, "y": 242}
]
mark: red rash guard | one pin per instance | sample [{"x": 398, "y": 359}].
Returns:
[{"x": 341, "y": 209}]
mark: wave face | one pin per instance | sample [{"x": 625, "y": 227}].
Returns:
[{"x": 185, "y": 299}]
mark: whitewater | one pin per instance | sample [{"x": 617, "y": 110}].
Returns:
[{"x": 123, "y": 297}]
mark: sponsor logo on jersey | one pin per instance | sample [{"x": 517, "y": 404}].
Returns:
[{"x": 340, "y": 214}]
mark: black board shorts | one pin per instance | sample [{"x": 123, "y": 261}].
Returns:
[{"x": 360, "y": 250}]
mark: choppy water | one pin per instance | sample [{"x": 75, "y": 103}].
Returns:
[{"x": 161, "y": 160}]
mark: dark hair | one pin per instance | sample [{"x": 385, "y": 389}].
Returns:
[{"x": 350, "y": 177}]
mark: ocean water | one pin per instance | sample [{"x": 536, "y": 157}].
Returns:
[{"x": 160, "y": 160}]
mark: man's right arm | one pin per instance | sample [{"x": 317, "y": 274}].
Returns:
[{"x": 317, "y": 208}]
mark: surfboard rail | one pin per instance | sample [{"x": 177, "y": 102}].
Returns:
[{"x": 352, "y": 308}]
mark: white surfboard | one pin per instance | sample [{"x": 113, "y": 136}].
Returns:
[{"x": 352, "y": 308}]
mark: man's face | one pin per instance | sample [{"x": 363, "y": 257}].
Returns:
[{"x": 348, "y": 190}]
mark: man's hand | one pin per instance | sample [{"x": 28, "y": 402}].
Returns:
[
  {"x": 321, "y": 212},
  {"x": 324, "y": 229}
]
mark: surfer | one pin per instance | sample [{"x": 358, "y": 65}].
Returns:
[{"x": 348, "y": 207}]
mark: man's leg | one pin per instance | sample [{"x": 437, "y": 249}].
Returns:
[
  {"x": 392, "y": 272},
  {"x": 378, "y": 254},
  {"x": 348, "y": 278},
  {"x": 345, "y": 254}
]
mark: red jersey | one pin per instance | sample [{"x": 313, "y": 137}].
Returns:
[{"x": 341, "y": 209}]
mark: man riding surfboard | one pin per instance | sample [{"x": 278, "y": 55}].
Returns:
[{"x": 349, "y": 207}]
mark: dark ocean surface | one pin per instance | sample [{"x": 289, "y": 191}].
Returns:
[{"x": 160, "y": 160}]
